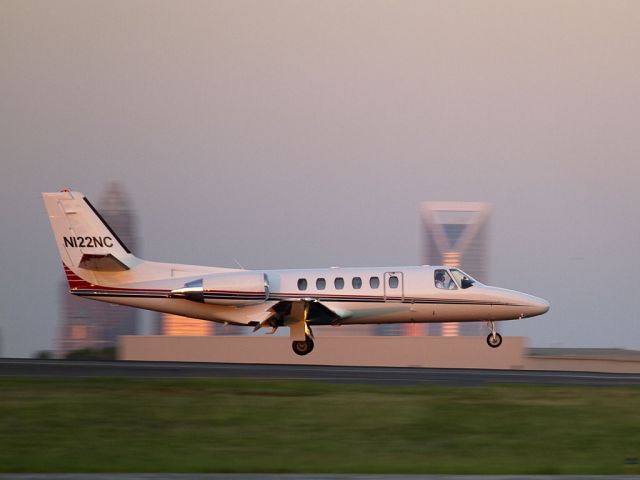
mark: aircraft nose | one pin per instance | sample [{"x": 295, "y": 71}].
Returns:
[
  {"x": 537, "y": 306},
  {"x": 512, "y": 305},
  {"x": 542, "y": 306}
]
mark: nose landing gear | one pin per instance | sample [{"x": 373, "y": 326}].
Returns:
[{"x": 494, "y": 339}]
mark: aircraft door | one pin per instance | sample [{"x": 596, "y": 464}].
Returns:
[{"x": 393, "y": 287}]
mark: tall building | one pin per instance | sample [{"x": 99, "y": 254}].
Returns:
[
  {"x": 456, "y": 234},
  {"x": 176, "y": 325},
  {"x": 88, "y": 323}
]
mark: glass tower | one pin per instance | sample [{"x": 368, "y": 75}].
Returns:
[{"x": 456, "y": 234}]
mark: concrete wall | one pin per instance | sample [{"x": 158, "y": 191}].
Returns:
[{"x": 436, "y": 352}]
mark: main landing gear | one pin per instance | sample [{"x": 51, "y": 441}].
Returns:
[
  {"x": 303, "y": 347},
  {"x": 300, "y": 332},
  {"x": 494, "y": 339}
]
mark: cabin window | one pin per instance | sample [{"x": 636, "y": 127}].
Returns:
[
  {"x": 339, "y": 283},
  {"x": 356, "y": 282},
  {"x": 393, "y": 281},
  {"x": 374, "y": 282},
  {"x": 302, "y": 284},
  {"x": 443, "y": 280},
  {"x": 321, "y": 283}
]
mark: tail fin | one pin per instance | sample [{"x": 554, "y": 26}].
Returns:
[{"x": 84, "y": 239}]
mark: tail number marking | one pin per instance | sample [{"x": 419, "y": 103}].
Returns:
[{"x": 88, "y": 242}]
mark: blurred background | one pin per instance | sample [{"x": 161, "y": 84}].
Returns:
[{"x": 285, "y": 134}]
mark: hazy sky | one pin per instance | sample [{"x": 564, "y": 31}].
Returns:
[{"x": 306, "y": 133}]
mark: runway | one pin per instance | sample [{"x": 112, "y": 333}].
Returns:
[
  {"x": 249, "y": 476},
  {"x": 333, "y": 374}
]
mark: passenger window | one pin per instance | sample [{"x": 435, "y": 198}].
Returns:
[
  {"x": 339, "y": 283},
  {"x": 356, "y": 282},
  {"x": 393, "y": 281},
  {"x": 302, "y": 284},
  {"x": 443, "y": 280},
  {"x": 374, "y": 282},
  {"x": 321, "y": 283}
]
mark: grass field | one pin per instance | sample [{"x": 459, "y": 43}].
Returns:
[{"x": 118, "y": 425}]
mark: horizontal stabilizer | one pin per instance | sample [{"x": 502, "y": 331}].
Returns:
[{"x": 102, "y": 263}]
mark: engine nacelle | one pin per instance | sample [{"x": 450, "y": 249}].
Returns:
[{"x": 236, "y": 288}]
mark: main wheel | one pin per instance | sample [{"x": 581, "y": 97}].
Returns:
[
  {"x": 494, "y": 342},
  {"x": 303, "y": 347}
]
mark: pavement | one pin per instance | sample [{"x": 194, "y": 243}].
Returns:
[
  {"x": 333, "y": 374},
  {"x": 153, "y": 476}
]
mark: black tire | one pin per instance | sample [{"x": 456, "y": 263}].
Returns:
[
  {"x": 494, "y": 343},
  {"x": 303, "y": 347}
]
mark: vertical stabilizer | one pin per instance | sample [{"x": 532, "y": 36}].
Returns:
[{"x": 84, "y": 239}]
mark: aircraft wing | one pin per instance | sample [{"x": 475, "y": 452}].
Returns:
[
  {"x": 318, "y": 313},
  {"x": 288, "y": 311}
]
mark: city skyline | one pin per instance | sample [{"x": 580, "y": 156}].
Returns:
[{"x": 299, "y": 134}]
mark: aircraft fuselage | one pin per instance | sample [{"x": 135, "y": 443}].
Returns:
[{"x": 100, "y": 267}]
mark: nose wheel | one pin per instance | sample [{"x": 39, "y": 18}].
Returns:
[
  {"x": 494, "y": 339},
  {"x": 303, "y": 347}
]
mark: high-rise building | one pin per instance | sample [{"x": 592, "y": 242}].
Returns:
[
  {"x": 96, "y": 325},
  {"x": 176, "y": 325},
  {"x": 456, "y": 234}
]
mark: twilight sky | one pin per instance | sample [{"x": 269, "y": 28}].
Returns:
[{"x": 292, "y": 134}]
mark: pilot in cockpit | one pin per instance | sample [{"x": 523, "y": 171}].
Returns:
[{"x": 443, "y": 280}]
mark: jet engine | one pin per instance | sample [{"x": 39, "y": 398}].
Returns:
[{"x": 236, "y": 288}]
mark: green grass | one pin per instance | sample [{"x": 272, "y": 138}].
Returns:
[{"x": 118, "y": 425}]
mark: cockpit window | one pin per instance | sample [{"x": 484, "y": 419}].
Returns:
[
  {"x": 443, "y": 280},
  {"x": 464, "y": 280}
]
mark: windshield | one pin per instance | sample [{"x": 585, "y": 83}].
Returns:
[{"x": 459, "y": 276}]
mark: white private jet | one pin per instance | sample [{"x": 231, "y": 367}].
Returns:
[{"x": 100, "y": 267}]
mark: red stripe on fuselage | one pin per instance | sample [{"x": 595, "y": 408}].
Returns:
[
  {"x": 78, "y": 283},
  {"x": 75, "y": 282}
]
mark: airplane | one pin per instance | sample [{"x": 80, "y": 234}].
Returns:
[{"x": 99, "y": 266}]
